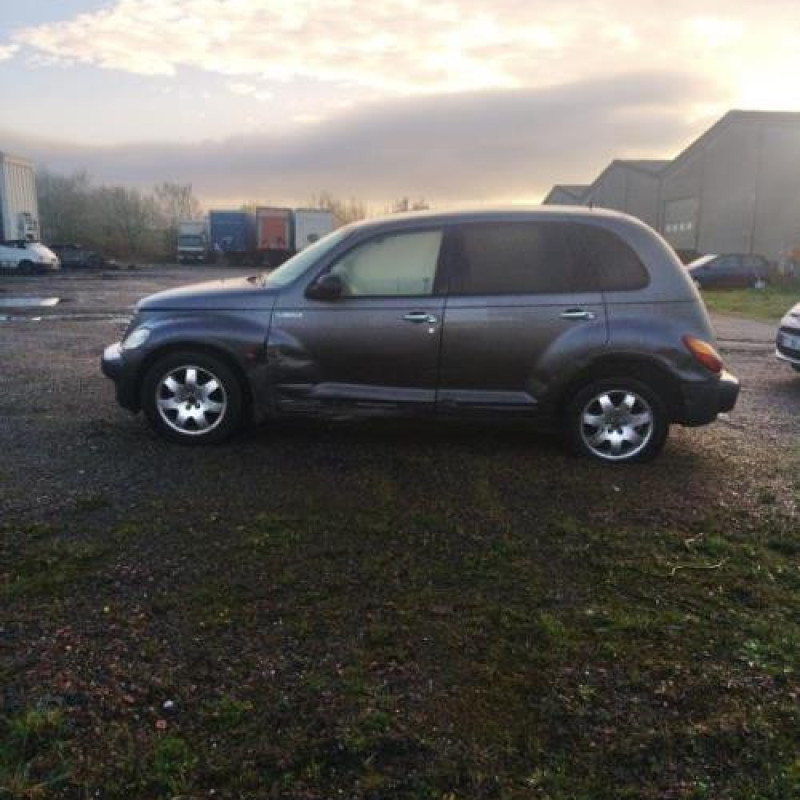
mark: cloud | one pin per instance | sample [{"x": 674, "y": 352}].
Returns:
[
  {"x": 249, "y": 90},
  {"x": 468, "y": 147},
  {"x": 402, "y": 46},
  {"x": 7, "y": 51}
]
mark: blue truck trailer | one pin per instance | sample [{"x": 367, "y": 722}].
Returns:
[{"x": 232, "y": 235}]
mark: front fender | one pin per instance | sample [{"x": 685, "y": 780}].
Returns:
[{"x": 239, "y": 337}]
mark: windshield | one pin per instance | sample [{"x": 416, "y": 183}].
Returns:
[
  {"x": 190, "y": 240},
  {"x": 305, "y": 259}
]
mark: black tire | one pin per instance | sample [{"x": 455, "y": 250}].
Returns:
[
  {"x": 647, "y": 401},
  {"x": 26, "y": 267},
  {"x": 220, "y": 427},
  {"x": 796, "y": 367}
]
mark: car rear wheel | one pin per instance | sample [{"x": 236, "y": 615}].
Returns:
[
  {"x": 192, "y": 398},
  {"x": 619, "y": 420},
  {"x": 26, "y": 267}
]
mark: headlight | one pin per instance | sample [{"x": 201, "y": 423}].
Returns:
[{"x": 136, "y": 338}]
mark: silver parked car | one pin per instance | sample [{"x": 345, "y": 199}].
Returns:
[
  {"x": 787, "y": 342},
  {"x": 570, "y": 318}
]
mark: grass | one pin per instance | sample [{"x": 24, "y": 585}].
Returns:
[
  {"x": 479, "y": 634},
  {"x": 31, "y": 757},
  {"x": 769, "y": 304}
]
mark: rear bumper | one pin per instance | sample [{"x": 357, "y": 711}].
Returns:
[
  {"x": 114, "y": 366},
  {"x": 703, "y": 402}
]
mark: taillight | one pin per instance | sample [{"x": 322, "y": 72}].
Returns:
[{"x": 704, "y": 353}]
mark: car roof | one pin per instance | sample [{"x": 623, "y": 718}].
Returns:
[{"x": 496, "y": 214}]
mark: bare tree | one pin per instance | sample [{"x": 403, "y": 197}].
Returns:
[
  {"x": 344, "y": 211},
  {"x": 64, "y": 206},
  {"x": 176, "y": 201},
  {"x": 129, "y": 217},
  {"x": 404, "y": 204}
]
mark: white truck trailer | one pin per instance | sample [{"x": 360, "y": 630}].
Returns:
[
  {"x": 20, "y": 248},
  {"x": 19, "y": 209},
  {"x": 311, "y": 224}
]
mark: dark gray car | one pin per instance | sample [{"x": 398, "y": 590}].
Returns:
[
  {"x": 573, "y": 319},
  {"x": 729, "y": 271}
]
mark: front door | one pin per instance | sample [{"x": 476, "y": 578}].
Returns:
[{"x": 376, "y": 347}]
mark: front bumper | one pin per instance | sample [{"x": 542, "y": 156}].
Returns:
[
  {"x": 116, "y": 367},
  {"x": 703, "y": 402}
]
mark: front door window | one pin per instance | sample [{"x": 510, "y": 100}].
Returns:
[{"x": 396, "y": 265}]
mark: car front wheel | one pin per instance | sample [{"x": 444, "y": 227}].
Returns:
[
  {"x": 618, "y": 420},
  {"x": 192, "y": 398}
]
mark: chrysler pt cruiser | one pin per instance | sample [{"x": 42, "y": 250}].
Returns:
[{"x": 575, "y": 319}]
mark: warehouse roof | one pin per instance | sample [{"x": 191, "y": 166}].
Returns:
[
  {"x": 646, "y": 166},
  {"x": 574, "y": 190},
  {"x": 734, "y": 117}
]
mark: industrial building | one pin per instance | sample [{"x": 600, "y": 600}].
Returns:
[
  {"x": 629, "y": 186},
  {"x": 563, "y": 194},
  {"x": 736, "y": 189}
]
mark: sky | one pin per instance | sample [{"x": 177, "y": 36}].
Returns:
[{"x": 462, "y": 102}]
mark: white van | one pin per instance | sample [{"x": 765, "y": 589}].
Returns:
[{"x": 24, "y": 256}]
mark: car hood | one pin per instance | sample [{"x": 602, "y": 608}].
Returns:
[
  {"x": 792, "y": 318},
  {"x": 236, "y": 294}
]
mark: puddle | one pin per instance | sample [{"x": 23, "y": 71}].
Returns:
[
  {"x": 29, "y": 302},
  {"x": 115, "y": 318}
]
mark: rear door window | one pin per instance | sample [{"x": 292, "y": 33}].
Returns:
[
  {"x": 544, "y": 258},
  {"x": 513, "y": 258}
]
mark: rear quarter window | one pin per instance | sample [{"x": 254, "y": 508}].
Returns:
[{"x": 604, "y": 262}]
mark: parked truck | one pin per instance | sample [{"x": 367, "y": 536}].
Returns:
[
  {"x": 233, "y": 235},
  {"x": 192, "y": 241},
  {"x": 282, "y": 232},
  {"x": 20, "y": 248},
  {"x": 311, "y": 224},
  {"x": 270, "y": 236},
  {"x": 19, "y": 209},
  {"x": 274, "y": 235}
]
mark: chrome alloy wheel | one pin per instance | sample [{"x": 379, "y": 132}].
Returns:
[
  {"x": 616, "y": 424},
  {"x": 191, "y": 400}
]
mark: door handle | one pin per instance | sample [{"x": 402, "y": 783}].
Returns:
[
  {"x": 578, "y": 313},
  {"x": 421, "y": 317}
]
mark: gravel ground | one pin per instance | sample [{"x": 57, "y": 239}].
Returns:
[
  {"x": 385, "y": 610},
  {"x": 63, "y": 435}
]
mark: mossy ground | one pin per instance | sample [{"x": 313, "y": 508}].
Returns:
[{"x": 482, "y": 632}]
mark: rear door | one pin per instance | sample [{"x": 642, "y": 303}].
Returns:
[
  {"x": 516, "y": 309},
  {"x": 375, "y": 348}
]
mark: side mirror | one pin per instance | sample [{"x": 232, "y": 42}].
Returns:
[{"x": 327, "y": 287}]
